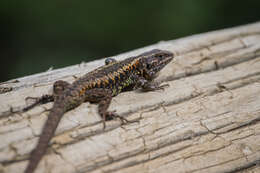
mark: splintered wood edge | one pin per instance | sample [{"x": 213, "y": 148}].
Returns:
[{"x": 207, "y": 120}]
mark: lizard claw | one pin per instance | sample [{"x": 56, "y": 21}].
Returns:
[
  {"x": 38, "y": 100},
  {"x": 155, "y": 87},
  {"x": 113, "y": 115},
  {"x": 161, "y": 87}
]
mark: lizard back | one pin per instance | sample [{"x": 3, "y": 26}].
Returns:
[{"x": 116, "y": 76}]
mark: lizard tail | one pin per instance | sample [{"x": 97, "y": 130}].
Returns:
[{"x": 48, "y": 131}]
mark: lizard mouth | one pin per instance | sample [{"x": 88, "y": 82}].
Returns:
[
  {"x": 168, "y": 56},
  {"x": 164, "y": 57},
  {"x": 168, "y": 59}
]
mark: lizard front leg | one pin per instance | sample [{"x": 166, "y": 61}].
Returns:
[
  {"x": 103, "y": 97},
  {"x": 148, "y": 85},
  {"x": 58, "y": 87}
]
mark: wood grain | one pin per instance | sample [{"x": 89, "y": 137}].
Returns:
[{"x": 207, "y": 120}]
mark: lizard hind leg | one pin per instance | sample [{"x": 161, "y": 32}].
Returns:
[
  {"x": 58, "y": 87},
  {"x": 38, "y": 100},
  {"x": 103, "y": 97}
]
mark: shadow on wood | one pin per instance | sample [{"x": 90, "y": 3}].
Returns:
[{"x": 207, "y": 120}]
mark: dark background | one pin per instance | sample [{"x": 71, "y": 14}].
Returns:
[{"x": 38, "y": 35}]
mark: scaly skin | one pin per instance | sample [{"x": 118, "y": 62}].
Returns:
[{"x": 98, "y": 86}]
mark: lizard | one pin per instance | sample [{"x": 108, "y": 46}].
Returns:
[{"x": 98, "y": 86}]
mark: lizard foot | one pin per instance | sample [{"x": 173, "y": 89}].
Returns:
[
  {"x": 154, "y": 87},
  {"x": 113, "y": 115},
  {"x": 38, "y": 100},
  {"x": 161, "y": 87}
]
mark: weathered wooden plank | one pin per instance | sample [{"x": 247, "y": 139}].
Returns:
[{"x": 207, "y": 120}]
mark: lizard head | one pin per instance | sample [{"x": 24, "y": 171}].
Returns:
[{"x": 154, "y": 61}]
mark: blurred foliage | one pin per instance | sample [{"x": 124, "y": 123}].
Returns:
[{"x": 38, "y": 35}]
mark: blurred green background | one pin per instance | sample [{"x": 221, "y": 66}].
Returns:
[{"x": 38, "y": 35}]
